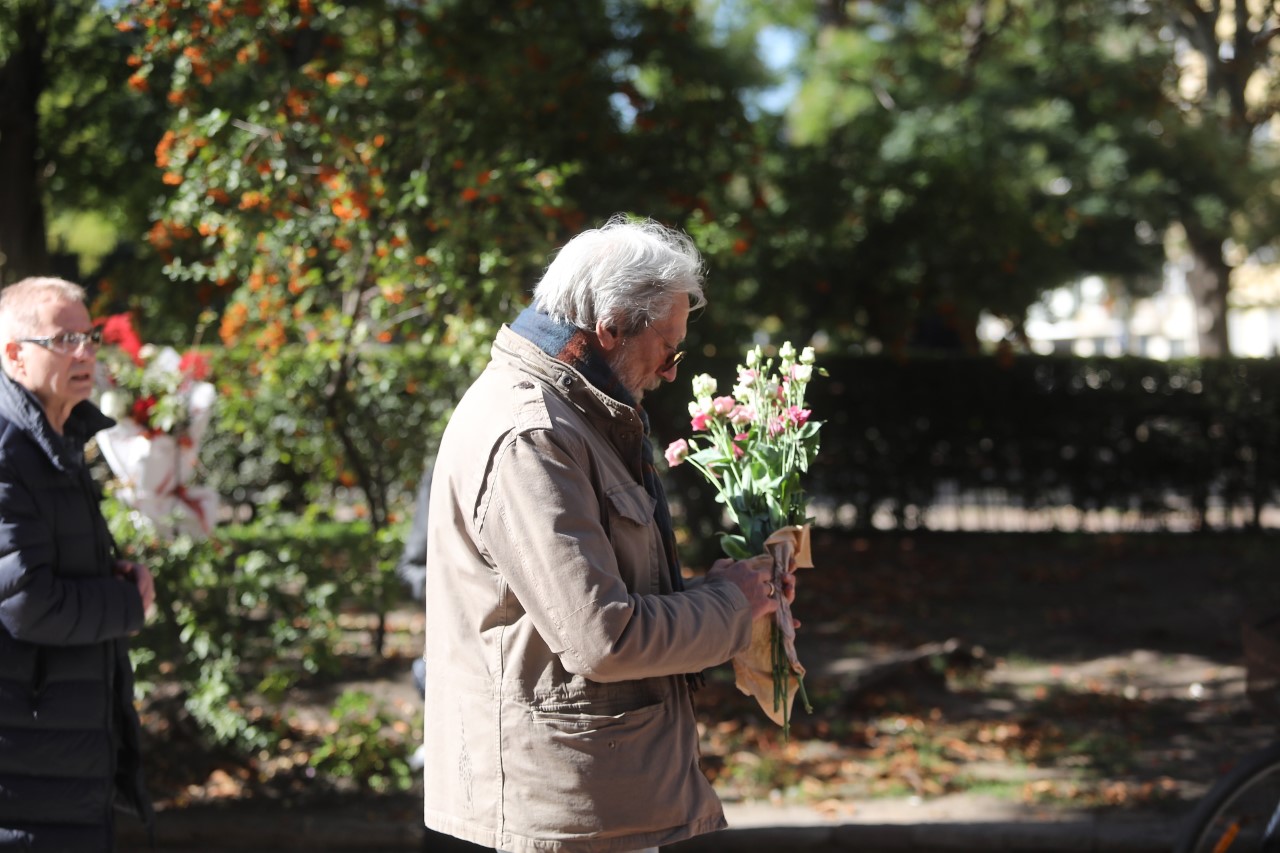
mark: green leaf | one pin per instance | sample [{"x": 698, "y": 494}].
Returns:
[{"x": 735, "y": 546}]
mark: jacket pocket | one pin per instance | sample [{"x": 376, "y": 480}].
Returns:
[
  {"x": 570, "y": 722},
  {"x": 580, "y": 773},
  {"x": 632, "y": 502},
  {"x": 633, "y": 533}
]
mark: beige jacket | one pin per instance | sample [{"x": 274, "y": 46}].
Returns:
[{"x": 557, "y": 712}]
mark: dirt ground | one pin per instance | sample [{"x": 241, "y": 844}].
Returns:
[
  {"x": 1068, "y": 671},
  {"x": 1073, "y": 671}
]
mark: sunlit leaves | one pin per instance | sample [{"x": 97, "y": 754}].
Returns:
[{"x": 949, "y": 158}]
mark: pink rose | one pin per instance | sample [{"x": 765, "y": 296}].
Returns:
[
  {"x": 676, "y": 452},
  {"x": 723, "y": 405},
  {"x": 701, "y": 420},
  {"x": 742, "y": 415},
  {"x": 798, "y": 416}
]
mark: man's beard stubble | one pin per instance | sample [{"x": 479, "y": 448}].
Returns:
[{"x": 625, "y": 370}]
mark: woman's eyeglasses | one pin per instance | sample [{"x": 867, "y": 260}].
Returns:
[{"x": 67, "y": 343}]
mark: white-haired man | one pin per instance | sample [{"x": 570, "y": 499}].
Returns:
[
  {"x": 561, "y": 640},
  {"x": 68, "y": 730}
]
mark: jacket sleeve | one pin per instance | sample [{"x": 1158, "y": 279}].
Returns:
[
  {"x": 36, "y": 605},
  {"x": 541, "y": 523}
]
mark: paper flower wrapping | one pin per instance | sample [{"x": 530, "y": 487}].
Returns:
[{"x": 162, "y": 405}]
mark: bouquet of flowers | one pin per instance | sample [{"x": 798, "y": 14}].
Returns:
[
  {"x": 758, "y": 442},
  {"x": 162, "y": 405}
]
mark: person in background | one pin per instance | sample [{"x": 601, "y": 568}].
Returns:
[
  {"x": 412, "y": 567},
  {"x": 562, "y": 644},
  {"x": 69, "y": 733}
]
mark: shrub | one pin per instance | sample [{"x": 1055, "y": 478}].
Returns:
[{"x": 253, "y": 609}]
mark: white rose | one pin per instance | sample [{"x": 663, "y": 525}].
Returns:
[
  {"x": 704, "y": 385},
  {"x": 114, "y": 404}
]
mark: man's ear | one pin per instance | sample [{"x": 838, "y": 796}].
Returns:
[
  {"x": 607, "y": 334},
  {"x": 9, "y": 360}
]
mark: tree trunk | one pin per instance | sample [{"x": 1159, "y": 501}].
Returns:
[
  {"x": 23, "y": 243},
  {"x": 1210, "y": 281},
  {"x": 832, "y": 13}
]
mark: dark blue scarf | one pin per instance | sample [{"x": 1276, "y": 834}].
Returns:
[{"x": 574, "y": 347}]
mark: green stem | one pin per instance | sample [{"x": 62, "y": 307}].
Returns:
[{"x": 804, "y": 696}]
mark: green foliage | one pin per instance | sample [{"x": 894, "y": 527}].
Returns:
[
  {"x": 944, "y": 163},
  {"x": 366, "y": 746},
  {"x": 294, "y": 434},
  {"x": 342, "y": 176},
  {"x": 192, "y": 639},
  {"x": 342, "y": 173},
  {"x": 74, "y": 139},
  {"x": 252, "y": 609}
]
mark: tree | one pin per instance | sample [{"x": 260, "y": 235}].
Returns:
[
  {"x": 22, "y": 236},
  {"x": 72, "y": 136},
  {"x": 1225, "y": 87},
  {"x": 947, "y": 158},
  {"x": 343, "y": 175}
]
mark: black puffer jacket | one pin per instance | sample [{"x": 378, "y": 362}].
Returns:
[{"x": 68, "y": 729}]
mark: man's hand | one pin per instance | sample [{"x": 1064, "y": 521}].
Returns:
[
  {"x": 754, "y": 577},
  {"x": 142, "y": 578}
]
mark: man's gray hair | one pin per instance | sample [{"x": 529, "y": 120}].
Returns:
[
  {"x": 20, "y": 303},
  {"x": 626, "y": 272}
]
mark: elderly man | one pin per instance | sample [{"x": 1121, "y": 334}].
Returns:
[
  {"x": 561, "y": 641},
  {"x": 68, "y": 729}
]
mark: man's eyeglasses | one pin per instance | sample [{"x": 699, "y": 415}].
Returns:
[
  {"x": 67, "y": 343},
  {"x": 676, "y": 356}
]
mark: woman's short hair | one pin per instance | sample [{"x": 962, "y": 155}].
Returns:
[
  {"x": 627, "y": 272},
  {"x": 20, "y": 303}
]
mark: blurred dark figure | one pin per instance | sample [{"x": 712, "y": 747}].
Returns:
[{"x": 412, "y": 568}]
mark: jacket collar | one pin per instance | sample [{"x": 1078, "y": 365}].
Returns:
[
  {"x": 564, "y": 358},
  {"x": 21, "y": 408},
  {"x": 510, "y": 346}
]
